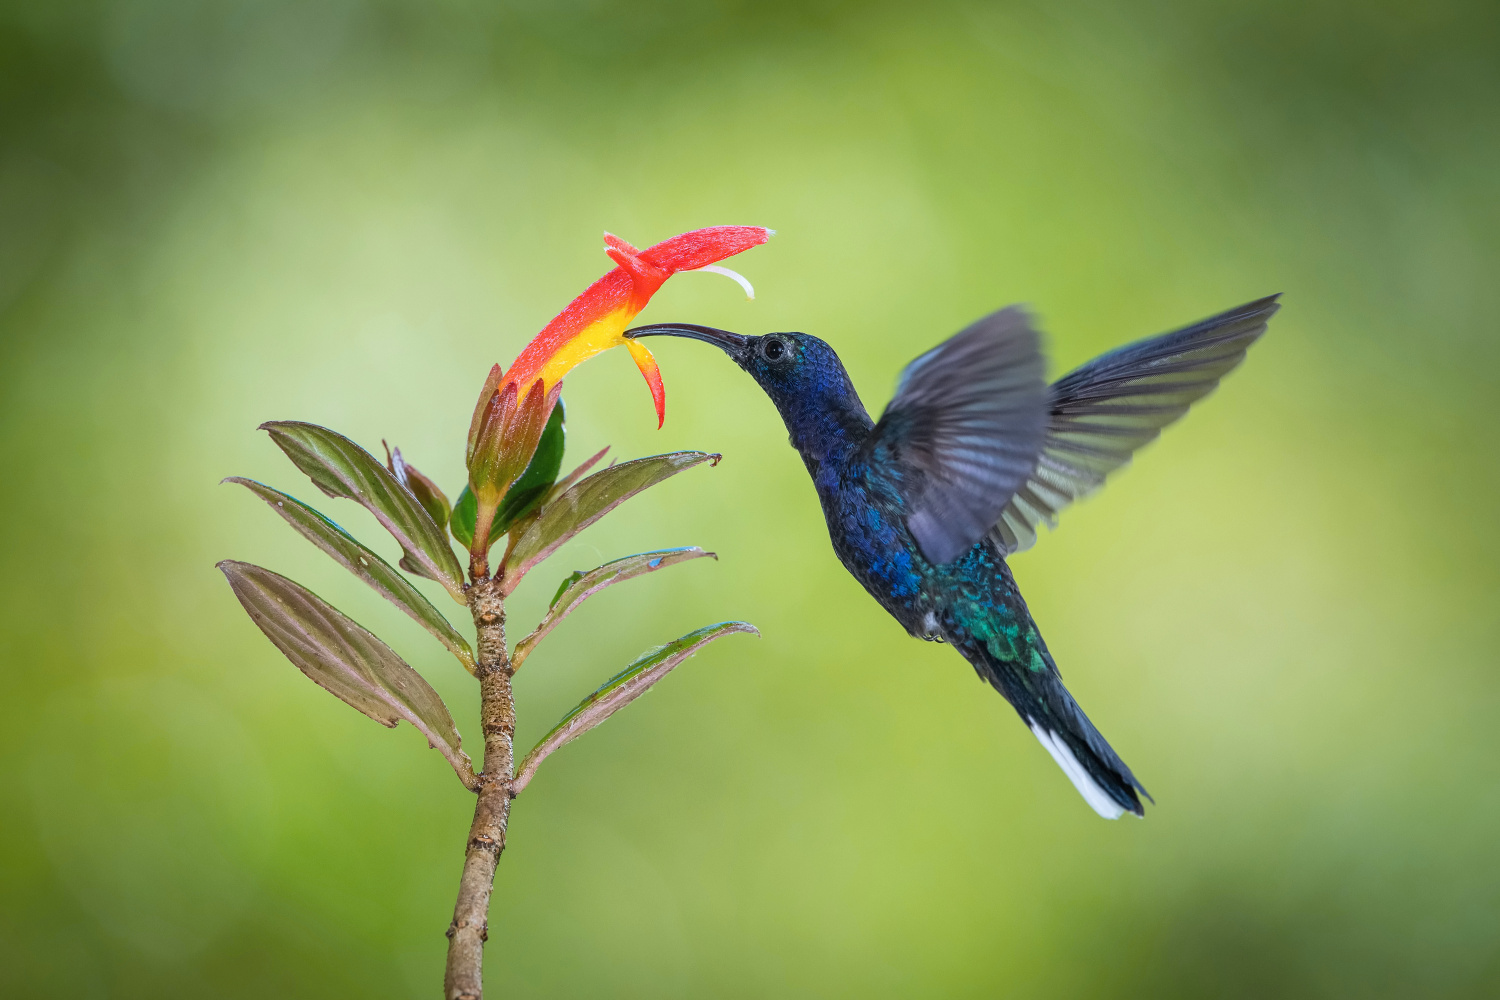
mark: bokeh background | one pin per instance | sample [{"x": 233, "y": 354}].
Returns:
[{"x": 1284, "y": 615}]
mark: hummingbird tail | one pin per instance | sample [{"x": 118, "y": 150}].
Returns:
[
  {"x": 1100, "y": 777},
  {"x": 1088, "y": 760}
]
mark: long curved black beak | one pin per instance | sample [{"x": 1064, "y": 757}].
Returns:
[{"x": 732, "y": 343}]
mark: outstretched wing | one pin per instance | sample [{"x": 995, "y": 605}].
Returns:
[
  {"x": 1103, "y": 411},
  {"x": 964, "y": 429}
]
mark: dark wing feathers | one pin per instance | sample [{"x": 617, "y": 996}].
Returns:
[
  {"x": 968, "y": 418},
  {"x": 1103, "y": 411}
]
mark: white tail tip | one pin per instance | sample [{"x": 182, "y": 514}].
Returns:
[{"x": 1087, "y": 786}]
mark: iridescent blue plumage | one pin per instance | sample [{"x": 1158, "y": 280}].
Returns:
[{"x": 970, "y": 455}]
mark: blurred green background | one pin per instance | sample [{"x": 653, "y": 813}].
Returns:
[{"x": 1284, "y": 615}]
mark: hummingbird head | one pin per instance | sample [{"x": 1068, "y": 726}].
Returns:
[{"x": 794, "y": 369}]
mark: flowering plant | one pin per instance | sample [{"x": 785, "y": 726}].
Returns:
[
  {"x": 514, "y": 456},
  {"x": 515, "y": 404}
]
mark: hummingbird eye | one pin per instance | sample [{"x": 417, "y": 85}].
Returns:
[{"x": 773, "y": 349}]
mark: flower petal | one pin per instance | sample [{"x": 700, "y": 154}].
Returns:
[
  {"x": 595, "y": 321},
  {"x": 647, "y": 364},
  {"x": 691, "y": 251}
]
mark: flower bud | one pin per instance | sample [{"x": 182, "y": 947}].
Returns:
[{"x": 505, "y": 437}]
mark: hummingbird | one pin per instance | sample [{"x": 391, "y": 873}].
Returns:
[{"x": 972, "y": 454}]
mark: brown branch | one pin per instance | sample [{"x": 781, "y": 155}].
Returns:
[{"x": 497, "y": 715}]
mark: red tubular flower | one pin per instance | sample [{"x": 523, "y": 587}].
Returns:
[
  {"x": 514, "y": 406},
  {"x": 595, "y": 320}
]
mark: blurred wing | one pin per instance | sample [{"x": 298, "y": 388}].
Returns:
[
  {"x": 1102, "y": 412},
  {"x": 964, "y": 429}
]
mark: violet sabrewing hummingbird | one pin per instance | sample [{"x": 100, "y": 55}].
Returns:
[{"x": 972, "y": 453}]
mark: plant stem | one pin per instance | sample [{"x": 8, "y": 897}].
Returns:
[
  {"x": 479, "y": 552},
  {"x": 497, "y": 716}
]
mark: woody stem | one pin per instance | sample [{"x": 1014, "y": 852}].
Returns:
[{"x": 467, "y": 933}]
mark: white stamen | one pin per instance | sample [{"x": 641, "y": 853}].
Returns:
[{"x": 726, "y": 272}]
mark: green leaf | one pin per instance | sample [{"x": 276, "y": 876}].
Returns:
[
  {"x": 465, "y": 511},
  {"x": 625, "y": 687},
  {"x": 589, "y": 499},
  {"x": 580, "y": 586},
  {"x": 345, "y": 660},
  {"x": 364, "y": 564},
  {"x": 341, "y": 468}
]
